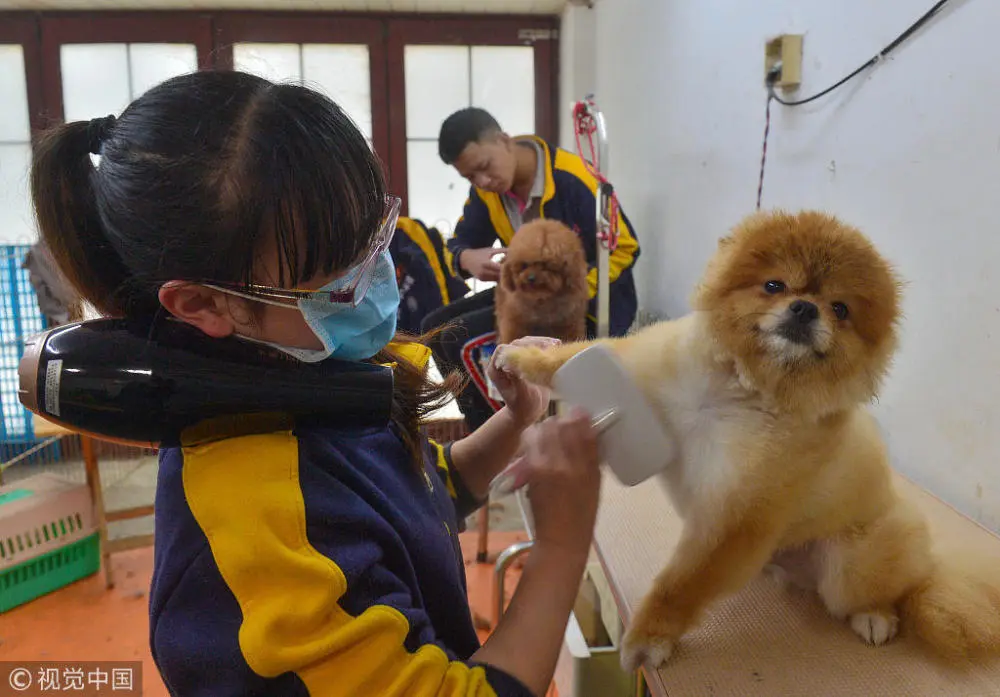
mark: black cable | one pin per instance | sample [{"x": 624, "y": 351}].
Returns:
[
  {"x": 927, "y": 16},
  {"x": 763, "y": 151}
]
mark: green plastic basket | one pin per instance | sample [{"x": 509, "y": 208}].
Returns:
[
  {"x": 48, "y": 538},
  {"x": 50, "y": 571}
]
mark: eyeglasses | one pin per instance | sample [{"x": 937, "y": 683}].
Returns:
[{"x": 349, "y": 289}]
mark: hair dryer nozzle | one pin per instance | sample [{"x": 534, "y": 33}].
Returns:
[{"x": 27, "y": 372}]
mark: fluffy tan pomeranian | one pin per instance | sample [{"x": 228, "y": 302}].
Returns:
[{"x": 763, "y": 387}]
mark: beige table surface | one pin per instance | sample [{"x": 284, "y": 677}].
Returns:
[{"x": 766, "y": 640}]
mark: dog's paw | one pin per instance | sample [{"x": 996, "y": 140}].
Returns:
[
  {"x": 648, "y": 642},
  {"x": 777, "y": 574},
  {"x": 526, "y": 362},
  {"x": 875, "y": 628},
  {"x": 649, "y": 652}
]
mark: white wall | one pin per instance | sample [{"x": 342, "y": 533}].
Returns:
[
  {"x": 578, "y": 61},
  {"x": 910, "y": 153}
]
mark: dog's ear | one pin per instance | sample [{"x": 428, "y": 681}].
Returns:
[
  {"x": 507, "y": 276},
  {"x": 575, "y": 271}
]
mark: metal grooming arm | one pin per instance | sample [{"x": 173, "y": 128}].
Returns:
[{"x": 603, "y": 224}]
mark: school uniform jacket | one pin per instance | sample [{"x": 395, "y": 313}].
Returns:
[
  {"x": 299, "y": 559},
  {"x": 570, "y": 197},
  {"x": 423, "y": 273}
]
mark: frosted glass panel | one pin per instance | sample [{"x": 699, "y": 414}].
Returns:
[
  {"x": 342, "y": 72},
  {"x": 16, "y": 219},
  {"x": 276, "y": 62},
  {"x": 436, "y": 192},
  {"x": 13, "y": 95},
  {"x": 503, "y": 83},
  {"x": 154, "y": 63},
  {"x": 437, "y": 84},
  {"x": 95, "y": 80}
]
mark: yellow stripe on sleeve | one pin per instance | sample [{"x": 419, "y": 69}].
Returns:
[
  {"x": 419, "y": 236},
  {"x": 498, "y": 216},
  {"x": 619, "y": 260},
  {"x": 245, "y": 495},
  {"x": 442, "y": 465},
  {"x": 624, "y": 253}
]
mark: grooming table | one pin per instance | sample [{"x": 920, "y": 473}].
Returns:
[
  {"x": 766, "y": 640},
  {"x": 46, "y": 429}
]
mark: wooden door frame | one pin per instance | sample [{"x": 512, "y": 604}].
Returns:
[
  {"x": 213, "y": 33},
  {"x": 126, "y": 27},
  {"x": 466, "y": 30},
  {"x": 22, "y": 28},
  {"x": 322, "y": 28}
]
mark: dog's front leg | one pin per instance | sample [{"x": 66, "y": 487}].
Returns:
[
  {"x": 538, "y": 365},
  {"x": 706, "y": 565}
]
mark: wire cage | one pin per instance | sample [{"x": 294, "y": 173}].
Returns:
[{"x": 20, "y": 318}]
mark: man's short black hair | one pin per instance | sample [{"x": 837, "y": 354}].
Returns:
[{"x": 465, "y": 126}]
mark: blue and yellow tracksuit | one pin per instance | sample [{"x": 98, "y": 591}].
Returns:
[
  {"x": 569, "y": 196},
  {"x": 300, "y": 559},
  {"x": 423, "y": 273}
]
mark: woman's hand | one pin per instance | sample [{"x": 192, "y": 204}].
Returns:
[
  {"x": 561, "y": 457},
  {"x": 562, "y": 468},
  {"x": 485, "y": 452},
  {"x": 526, "y": 402}
]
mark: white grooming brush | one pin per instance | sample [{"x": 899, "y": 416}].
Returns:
[{"x": 631, "y": 438}]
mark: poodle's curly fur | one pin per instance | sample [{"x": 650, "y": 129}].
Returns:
[{"x": 543, "y": 284}]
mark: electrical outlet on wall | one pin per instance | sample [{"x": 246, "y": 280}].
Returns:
[{"x": 784, "y": 53}]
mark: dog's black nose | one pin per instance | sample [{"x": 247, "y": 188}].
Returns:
[
  {"x": 531, "y": 278},
  {"x": 804, "y": 311}
]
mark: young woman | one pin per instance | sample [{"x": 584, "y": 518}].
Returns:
[{"x": 303, "y": 558}]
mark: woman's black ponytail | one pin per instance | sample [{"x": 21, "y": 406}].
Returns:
[
  {"x": 199, "y": 179},
  {"x": 63, "y": 190}
]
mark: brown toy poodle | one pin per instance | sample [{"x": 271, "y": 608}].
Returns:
[{"x": 543, "y": 284}]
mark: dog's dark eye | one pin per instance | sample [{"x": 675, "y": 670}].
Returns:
[
  {"x": 522, "y": 266},
  {"x": 774, "y": 287},
  {"x": 840, "y": 309}
]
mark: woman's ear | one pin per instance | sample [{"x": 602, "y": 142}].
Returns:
[{"x": 199, "y": 306}]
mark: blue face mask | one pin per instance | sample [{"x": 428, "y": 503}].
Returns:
[{"x": 352, "y": 333}]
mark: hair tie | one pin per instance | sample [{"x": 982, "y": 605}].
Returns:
[{"x": 98, "y": 131}]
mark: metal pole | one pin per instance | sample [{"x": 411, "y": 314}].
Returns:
[{"x": 603, "y": 224}]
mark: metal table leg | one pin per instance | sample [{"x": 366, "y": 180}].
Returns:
[{"x": 506, "y": 558}]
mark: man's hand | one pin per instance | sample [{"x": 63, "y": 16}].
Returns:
[{"x": 479, "y": 263}]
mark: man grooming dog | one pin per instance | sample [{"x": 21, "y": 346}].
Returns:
[{"x": 514, "y": 181}]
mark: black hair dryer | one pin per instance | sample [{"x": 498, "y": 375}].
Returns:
[{"x": 145, "y": 384}]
